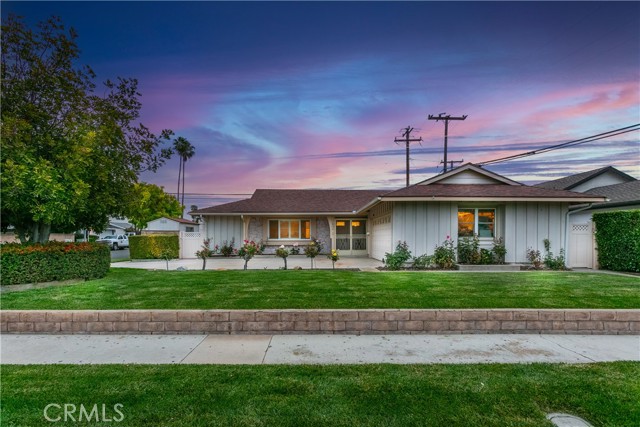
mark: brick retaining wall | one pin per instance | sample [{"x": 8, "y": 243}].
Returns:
[{"x": 272, "y": 322}]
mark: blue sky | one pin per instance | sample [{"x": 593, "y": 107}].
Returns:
[{"x": 312, "y": 94}]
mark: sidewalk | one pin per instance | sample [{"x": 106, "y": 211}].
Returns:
[{"x": 315, "y": 349}]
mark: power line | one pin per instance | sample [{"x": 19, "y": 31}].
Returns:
[{"x": 575, "y": 142}]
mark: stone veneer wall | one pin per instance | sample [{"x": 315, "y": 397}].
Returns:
[
  {"x": 271, "y": 322},
  {"x": 256, "y": 230},
  {"x": 323, "y": 233}
]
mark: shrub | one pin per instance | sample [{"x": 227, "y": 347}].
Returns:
[
  {"x": 37, "y": 263},
  {"x": 486, "y": 256},
  {"x": 227, "y": 247},
  {"x": 423, "y": 262},
  {"x": 551, "y": 261},
  {"x": 154, "y": 246},
  {"x": 499, "y": 251},
  {"x": 618, "y": 239},
  {"x": 534, "y": 257},
  {"x": 395, "y": 260},
  {"x": 295, "y": 250},
  {"x": 445, "y": 255},
  {"x": 469, "y": 250}
]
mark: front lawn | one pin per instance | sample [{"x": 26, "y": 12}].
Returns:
[
  {"x": 141, "y": 289},
  {"x": 605, "y": 394}
]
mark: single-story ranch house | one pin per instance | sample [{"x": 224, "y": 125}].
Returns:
[{"x": 461, "y": 202}]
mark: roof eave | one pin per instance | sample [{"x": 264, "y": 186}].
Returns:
[
  {"x": 493, "y": 199},
  {"x": 279, "y": 214}
]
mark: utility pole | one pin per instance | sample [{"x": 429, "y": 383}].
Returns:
[
  {"x": 451, "y": 162},
  {"x": 407, "y": 140},
  {"x": 446, "y": 119}
]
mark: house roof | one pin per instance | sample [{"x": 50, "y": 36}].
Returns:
[
  {"x": 571, "y": 181},
  {"x": 619, "y": 194},
  {"x": 296, "y": 201},
  {"x": 485, "y": 191},
  {"x": 181, "y": 220},
  {"x": 492, "y": 176}
]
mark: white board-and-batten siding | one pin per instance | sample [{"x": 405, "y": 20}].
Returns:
[
  {"x": 522, "y": 225},
  {"x": 423, "y": 225},
  {"x": 224, "y": 228},
  {"x": 527, "y": 224}
]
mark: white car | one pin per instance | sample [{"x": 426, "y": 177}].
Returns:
[{"x": 115, "y": 242}]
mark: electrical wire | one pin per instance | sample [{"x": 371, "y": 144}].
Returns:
[{"x": 575, "y": 142}]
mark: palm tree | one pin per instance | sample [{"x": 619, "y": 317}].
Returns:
[{"x": 185, "y": 151}]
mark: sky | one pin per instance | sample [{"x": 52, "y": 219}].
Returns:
[{"x": 312, "y": 94}]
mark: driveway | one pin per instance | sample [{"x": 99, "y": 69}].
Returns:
[{"x": 120, "y": 254}]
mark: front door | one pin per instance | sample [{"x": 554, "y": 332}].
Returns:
[{"x": 351, "y": 237}]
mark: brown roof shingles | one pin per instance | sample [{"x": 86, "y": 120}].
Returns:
[
  {"x": 568, "y": 182},
  {"x": 350, "y": 201},
  {"x": 298, "y": 201}
]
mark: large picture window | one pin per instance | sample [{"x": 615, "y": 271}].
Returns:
[
  {"x": 476, "y": 221},
  {"x": 289, "y": 229}
]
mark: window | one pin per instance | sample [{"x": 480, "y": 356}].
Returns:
[
  {"x": 292, "y": 229},
  {"x": 476, "y": 221},
  {"x": 189, "y": 229}
]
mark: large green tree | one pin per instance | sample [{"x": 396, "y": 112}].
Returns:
[
  {"x": 148, "y": 202},
  {"x": 70, "y": 153}
]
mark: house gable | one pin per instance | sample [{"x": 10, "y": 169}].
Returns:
[
  {"x": 469, "y": 174},
  {"x": 585, "y": 181}
]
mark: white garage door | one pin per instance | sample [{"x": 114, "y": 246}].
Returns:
[
  {"x": 581, "y": 246},
  {"x": 382, "y": 238}
]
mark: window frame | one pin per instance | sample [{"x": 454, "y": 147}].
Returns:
[
  {"x": 476, "y": 221},
  {"x": 301, "y": 229}
]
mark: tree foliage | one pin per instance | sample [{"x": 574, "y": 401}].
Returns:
[
  {"x": 185, "y": 151},
  {"x": 148, "y": 202},
  {"x": 69, "y": 155}
]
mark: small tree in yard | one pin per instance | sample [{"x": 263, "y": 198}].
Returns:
[
  {"x": 313, "y": 250},
  {"x": 283, "y": 253},
  {"x": 205, "y": 252},
  {"x": 333, "y": 256},
  {"x": 248, "y": 251},
  {"x": 165, "y": 254}
]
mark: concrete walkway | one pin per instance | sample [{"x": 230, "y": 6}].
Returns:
[{"x": 315, "y": 349}]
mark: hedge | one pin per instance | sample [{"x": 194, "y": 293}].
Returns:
[
  {"x": 618, "y": 239},
  {"x": 38, "y": 263},
  {"x": 154, "y": 246}
]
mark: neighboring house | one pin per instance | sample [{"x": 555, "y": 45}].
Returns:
[
  {"x": 458, "y": 203},
  {"x": 165, "y": 225},
  {"x": 117, "y": 226},
  {"x": 622, "y": 192}
]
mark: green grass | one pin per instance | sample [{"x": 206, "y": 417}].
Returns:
[
  {"x": 141, "y": 289},
  {"x": 605, "y": 394}
]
